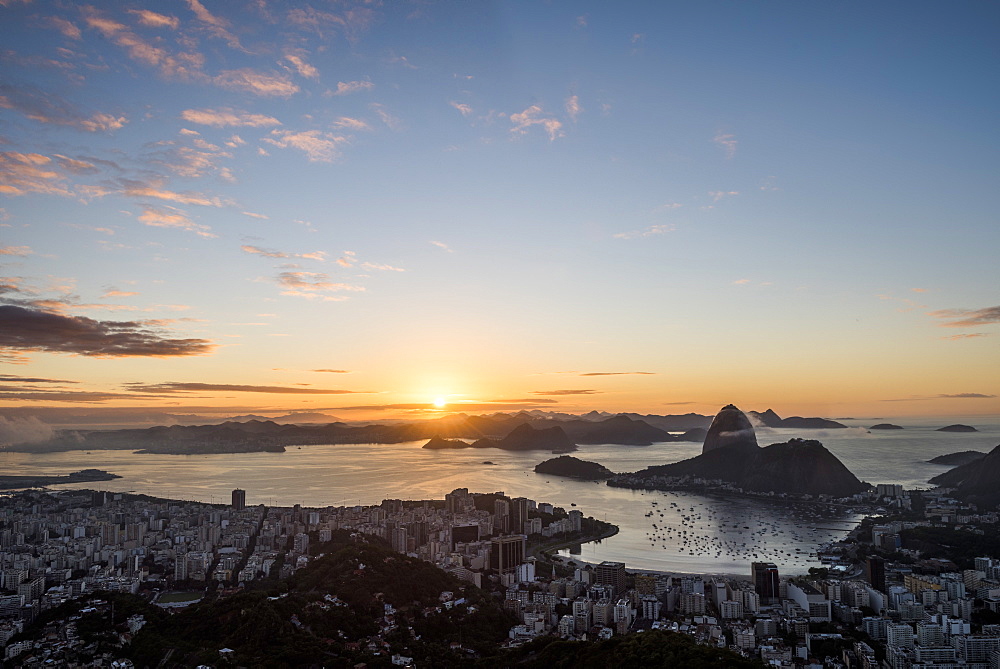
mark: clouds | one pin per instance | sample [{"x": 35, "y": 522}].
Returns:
[
  {"x": 265, "y": 84},
  {"x": 228, "y": 117},
  {"x": 178, "y": 387},
  {"x": 962, "y": 318},
  {"x": 651, "y": 231},
  {"x": 314, "y": 285},
  {"x": 617, "y": 373},
  {"x": 534, "y": 116},
  {"x": 49, "y": 108},
  {"x": 586, "y": 391},
  {"x": 573, "y": 107},
  {"x": 348, "y": 87},
  {"x": 955, "y": 396},
  {"x": 463, "y": 108},
  {"x": 318, "y": 146},
  {"x": 29, "y": 330},
  {"x": 727, "y": 142},
  {"x": 170, "y": 217},
  {"x": 256, "y": 250}
]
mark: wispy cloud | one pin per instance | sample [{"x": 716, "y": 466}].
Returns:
[
  {"x": 573, "y": 107},
  {"x": 27, "y": 330},
  {"x": 717, "y": 195},
  {"x": 267, "y": 253},
  {"x": 20, "y": 251},
  {"x": 171, "y": 217},
  {"x": 727, "y": 142},
  {"x": 956, "y": 396},
  {"x": 616, "y": 373},
  {"x": 313, "y": 285},
  {"x": 962, "y": 318},
  {"x": 119, "y": 293},
  {"x": 23, "y": 173},
  {"x": 381, "y": 267},
  {"x": 461, "y": 107},
  {"x": 442, "y": 245},
  {"x": 651, "y": 231},
  {"x": 348, "y": 87},
  {"x": 298, "y": 61},
  {"x": 971, "y": 335},
  {"x": 347, "y": 123},
  {"x": 155, "y": 20},
  {"x": 179, "y": 387},
  {"x": 67, "y": 28},
  {"x": 217, "y": 26},
  {"x": 141, "y": 189},
  {"x": 318, "y": 146},
  {"x": 264, "y": 84},
  {"x": 332, "y": 371},
  {"x": 44, "y": 107},
  {"x": 182, "y": 66},
  {"x": 225, "y": 117},
  {"x": 585, "y": 391},
  {"x": 534, "y": 116}
]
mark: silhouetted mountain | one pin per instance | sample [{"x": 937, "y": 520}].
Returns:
[
  {"x": 731, "y": 427},
  {"x": 567, "y": 465},
  {"x": 526, "y": 438},
  {"x": 767, "y": 419},
  {"x": 695, "y": 434},
  {"x": 810, "y": 423},
  {"x": 771, "y": 419},
  {"x": 957, "y": 428},
  {"x": 798, "y": 466},
  {"x": 439, "y": 443},
  {"x": 977, "y": 481},
  {"x": 885, "y": 426},
  {"x": 674, "y": 423},
  {"x": 615, "y": 430},
  {"x": 959, "y": 458}
]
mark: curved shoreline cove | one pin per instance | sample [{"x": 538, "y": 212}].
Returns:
[{"x": 349, "y": 474}]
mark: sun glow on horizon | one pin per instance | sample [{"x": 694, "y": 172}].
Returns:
[{"x": 440, "y": 402}]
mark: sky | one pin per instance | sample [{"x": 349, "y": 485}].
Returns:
[{"x": 403, "y": 209}]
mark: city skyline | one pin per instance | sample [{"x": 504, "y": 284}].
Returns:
[{"x": 405, "y": 210}]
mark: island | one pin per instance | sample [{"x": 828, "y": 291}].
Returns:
[
  {"x": 885, "y": 426},
  {"x": 957, "y": 428},
  {"x": 441, "y": 443},
  {"x": 526, "y": 438},
  {"x": 959, "y": 458},
  {"x": 8, "y": 482},
  {"x": 568, "y": 466}
]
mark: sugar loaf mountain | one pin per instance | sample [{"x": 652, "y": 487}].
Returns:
[{"x": 731, "y": 454}]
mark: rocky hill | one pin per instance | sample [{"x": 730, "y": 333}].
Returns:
[
  {"x": 526, "y": 438},
  {"x": 567, "y": 465},
  {"x": 798, "y": 466},
  {"x": 977, "y": 481},
  {"x": 731, "y": 427},
  {"x": 959, "y": 458}
]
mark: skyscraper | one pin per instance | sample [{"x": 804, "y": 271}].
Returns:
[
  {"x": 239, "y": 499},
  {"x": 506, "y": 552},
  {"x": 765, "y": 581},
  {"x": 876, "y": 573},
  {"x": 612, "y": 574}
]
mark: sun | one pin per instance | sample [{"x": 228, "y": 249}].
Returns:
[{"x": 440, "y": 402}]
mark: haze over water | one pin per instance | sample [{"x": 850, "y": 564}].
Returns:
[{"x": 717, "y": 527}]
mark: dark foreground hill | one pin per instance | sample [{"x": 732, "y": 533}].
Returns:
[
  {"x": 798, "y": 466},
  {"x": 653, "y": 648},
  {"x": 977, "y": 482}
]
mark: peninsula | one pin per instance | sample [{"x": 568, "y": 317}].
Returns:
[{"x": 8, "y": 482}]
